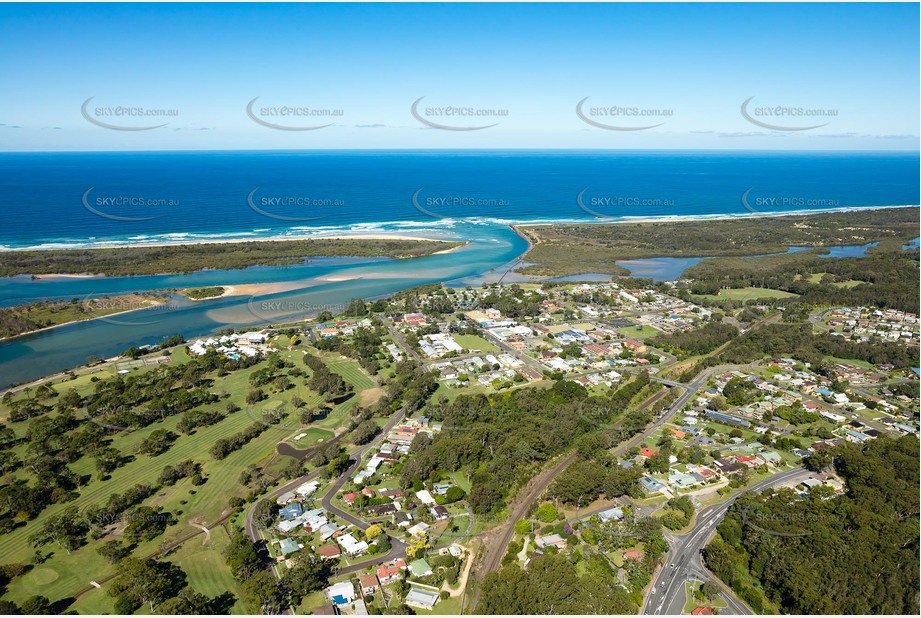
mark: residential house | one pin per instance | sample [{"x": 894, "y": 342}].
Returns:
[
  {"x": 551, "y": 539},
  {"x": 329, "y": 552},
  {"x": 368, "y": 583},
  {"x": 342, "y": 593},
  {"x": 651, "y": 485},
  {"x": 420, "y": 568},
  {"x": 421, "y": 598},
  {"x": 418, "y": 529},
  {"x": 390, "y": 572}
]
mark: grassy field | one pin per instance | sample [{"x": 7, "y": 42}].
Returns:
[
  {"x": 203, "y": 562},
  {"x": 849, "y": 361},
  {"x": 817, "y": 278},
  {"x": 641, "y": 331},
  {"x": 312, "y": 437},
  {"x": 746, "y": 294},
  {"x": 475, "y": 342},
  {"x": 351, "y": 373}
]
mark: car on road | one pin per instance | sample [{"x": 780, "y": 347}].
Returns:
[
  {"x": 653, "y": 591},
  {"x": 674, "y": 566}
]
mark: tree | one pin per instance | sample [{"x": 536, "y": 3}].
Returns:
[
  {"x": 147, "y": 582},
  {"x": 580, "y": 483},
  {"x": 484, "y": 497},
  {"x": 546, "y": 512},
  {"x": 157, "y": 442},
  {"x": 188, "y": 603},
  {"x": 454, "y": 494},
  {"x": 241, "y": 556},
  {"x": 620, "y": 481},
  {"x": 107, "y": 459},
  {"x": 264, "y": 594},
  {"x": 36, "y": 605},
  {"x": 147, "y": 522},
  {"x": 308, "y": 574},
  {"x": 67, "y": 529},
  {"x": 522, "y": 527},
  {"x": 710, "y": 589},
  {"x": 114, "y": 551},
  {"x": 364, "y": 432},
  {"x": 372, "y": 532}
]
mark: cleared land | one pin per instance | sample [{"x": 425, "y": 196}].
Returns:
[
  {"x": 747, "y": 294},
  {"x": 475, "y": 342}
]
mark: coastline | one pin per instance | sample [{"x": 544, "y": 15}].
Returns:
[
  {"x": 716, "y": 217},
  {"x": 224, "y": 241}
]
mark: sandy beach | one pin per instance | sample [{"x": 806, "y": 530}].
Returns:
[{"x": 224, "y": 241}]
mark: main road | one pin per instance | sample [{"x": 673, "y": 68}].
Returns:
[{"x": 684, "y": 560}]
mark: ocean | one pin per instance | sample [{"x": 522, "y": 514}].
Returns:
[{"x": 70, "y": 200}]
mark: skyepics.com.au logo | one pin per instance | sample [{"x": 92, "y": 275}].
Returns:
[
  {"x": 136, "y": 522},
  {"x": 622, "y": 118},
  {"x": 291, "y": 117},
  {"x": 785, "y": 117},
  {"x": 128, "y": 207},
  {"x": 760, "y": 204},
  {"x": 128, "y": 309},
  {"x": 792, "y": 524},
  {"x": 277, "y": 415},
  {"x": 120, "y": 418},
  {"x": 291, "y": 207},
  {"x": 613, "y": 206},
  {"x": 273, "y": 311},
  {"x": 474, "y": 205},
  {"x": 125, "y": 117},
  {"x": 456, "y": 118}
]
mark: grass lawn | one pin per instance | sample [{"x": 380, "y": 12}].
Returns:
[
  {"x": 64, "y": 574},
  {"x": 204, "y": 564},
  {"x": 475, "y": 342},
  {"x": 747, "y": 294},
  {"x": 691, "y": 603},
  {"x": 849, "y": 361},
  {"x": 351, "y": 372},
  {"x": 452, "y": 393},
  {"x": 640, "y": 331},
  {"x": 311, "y": 437},
  {"x": 461, "y": 521}
]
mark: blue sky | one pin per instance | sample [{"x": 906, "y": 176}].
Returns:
[{"x": 686, "y": 67}]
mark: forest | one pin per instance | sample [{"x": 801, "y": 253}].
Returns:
[
  {"x": 592, "y": 248},
  {"x": 856, "y": 553},
  {"x": 175, "y": 259}
]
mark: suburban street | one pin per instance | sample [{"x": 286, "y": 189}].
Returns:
[
  {"x": 398, "y": 547},
  {"x": 667, "y": 595}
]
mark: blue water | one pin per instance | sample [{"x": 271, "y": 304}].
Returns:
[
  {"x": 52, "y": 200},
  {"x": 205, "y": 194}
]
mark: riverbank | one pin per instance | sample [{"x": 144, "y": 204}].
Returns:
[{"x": 142, "y": 301}]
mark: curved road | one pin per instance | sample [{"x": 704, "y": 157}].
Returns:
[
  {"x": 683, "y": 560},
  {"x": 398, "y": 547}
]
